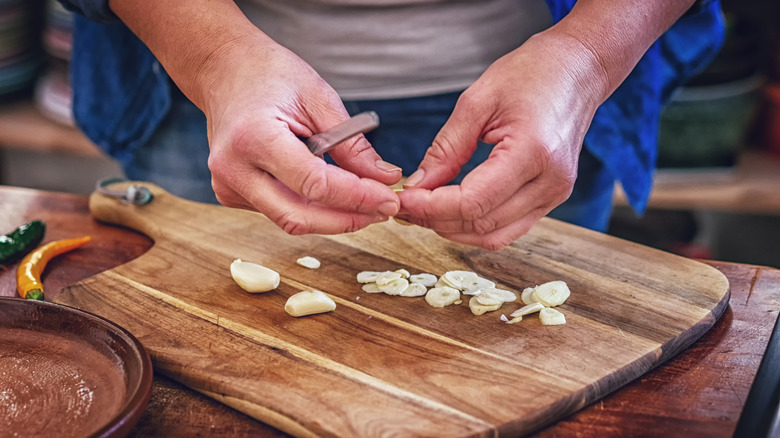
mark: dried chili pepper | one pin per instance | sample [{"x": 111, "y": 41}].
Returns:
[
  {"x": 20, "y": 241},
  {"x": 28, "y": 275}
]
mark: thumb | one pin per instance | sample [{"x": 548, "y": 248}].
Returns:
[{"x": 452, "y": 147}]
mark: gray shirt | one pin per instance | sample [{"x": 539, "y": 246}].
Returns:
[{"x": 387, "y": 49}]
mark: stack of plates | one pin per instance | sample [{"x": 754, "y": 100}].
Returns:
[
  {"x": 53, "y": 94},
  {"x": 20, "y": 56}
]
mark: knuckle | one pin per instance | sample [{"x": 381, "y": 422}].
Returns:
[
  {"x": 473, "y": 206},
  {"x": 293, "y": 224},
  {"x": 484, "y": 225},
  {"x": 314, "y": 185}
]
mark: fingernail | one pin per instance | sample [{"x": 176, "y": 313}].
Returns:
[
  {"x": 415, "y": 178},
  {"x": 387, "y": 167},
  {"x": 389, "y": 208}
]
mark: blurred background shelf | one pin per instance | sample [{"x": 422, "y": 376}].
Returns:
[{"x": 752, "y": 186}]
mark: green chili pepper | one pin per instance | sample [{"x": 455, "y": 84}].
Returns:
[{"x": 19, "y": 242}]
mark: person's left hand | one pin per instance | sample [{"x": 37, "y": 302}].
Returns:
[{"x": 535, "y": 105}]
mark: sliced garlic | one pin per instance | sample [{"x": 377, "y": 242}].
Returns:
[
  {"x": 515, "y": 320},
  {"x": 551, "y": 294},
  {"x": 527, "y": 296},
  {"x": 442, "y": 296},
  {"x": 478, "y": 308},
  {"x": 308, "y": 262},
  {"x": 394, "y": 287},
  {"x": 404, "y": 273},
  {"x": 414, "y": 290},
  {"x": 371, "y": 288},
  {"x": 308, "y": 303},
  {"x": 504, "y": 295},
  {"x": 459, "y": 279},
  {"x": 367, "y": 276},
  {"x": 477, "y": 283},
  {"x": 549, "y": 316},
  {"x": 527, "y": 309},
  {"x": 252, "y": 277},
  {"x": 487, "y": 299},
  {"x": 386, "y": 277},
  {"x": 427, "y": 280}
]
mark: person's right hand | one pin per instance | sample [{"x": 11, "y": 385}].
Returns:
[{"x": 259, "y": 98}]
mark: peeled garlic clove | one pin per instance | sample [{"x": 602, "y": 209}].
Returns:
[
  {"x": 427, "y": 280},
  {"x": 551, "y": 294},
  {"x": 442, "y": 296},
  {"x": 528, "y": 309},
  {"x": 309, "y": 262},
  {"x": 478, "y": 308},
  {"x": 414, "y": 290},
  {"x": 394, "y": 287},
  {"x": 548, "y": 316},
  {"x": 253, "y": 277},
  {"x": 367, "y": 276},
  {"x": 308, "y": 303}
]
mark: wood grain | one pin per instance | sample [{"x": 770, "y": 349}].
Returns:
[{"x": 385, "y": 365}]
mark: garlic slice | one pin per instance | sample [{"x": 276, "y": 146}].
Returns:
[
  {"x": 308, "y": 303},
  {"x": 414, "y": 290},
  {"x": 551, "y": 294},
  {"x": 254, "y": 278},
  {"x": 442, "y": 296},
  {"x": 386, "y": 277},
  {"x": 459, "y": 279},
  {"x": 478, "y": 308},
  {"x": 527, "y": 309},
  {"x": 549, "y": 316},
  {"x": 367, "y": 276},
  {"x": 424, "y": 279},
  {"x": 394, "y": 287},
  {"x": 308, "y": 262},
  {"x": 371, "y": 288},
  {"x": 527, "y": 296}
]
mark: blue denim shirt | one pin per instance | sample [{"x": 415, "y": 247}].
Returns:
[{"x": 121, "y": 93}]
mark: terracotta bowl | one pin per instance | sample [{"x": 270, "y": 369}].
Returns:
[{"x": 66, "y": 372}]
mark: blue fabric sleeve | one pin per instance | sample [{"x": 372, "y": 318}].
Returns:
[
  {"x": 121, "y": 93},
  {"x": 96, "y": 10},
  {"x": 624, "y": 130}
]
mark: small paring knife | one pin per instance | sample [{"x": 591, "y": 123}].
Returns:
[{"x": 361, "y": 123}]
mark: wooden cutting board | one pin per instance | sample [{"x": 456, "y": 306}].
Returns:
[{"x": 383, "y": 365}]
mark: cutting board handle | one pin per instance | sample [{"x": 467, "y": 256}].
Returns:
[{"x": 144, "y": 218}]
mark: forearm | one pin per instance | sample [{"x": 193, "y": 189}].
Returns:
[
  {"x": 610, "y": 37},
  {"x": 190, "y": 38}
]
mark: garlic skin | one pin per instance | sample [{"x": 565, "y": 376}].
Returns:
[{"x": 254, "y": 278}]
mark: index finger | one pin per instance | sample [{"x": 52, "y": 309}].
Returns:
[{"x": 293, "y": 164}]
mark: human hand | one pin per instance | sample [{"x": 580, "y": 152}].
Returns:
[
  {"x": 535, "y": 105},
  {"x": 261, "y": 98}
]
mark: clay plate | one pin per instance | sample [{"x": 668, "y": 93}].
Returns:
[{"x": 66, "y": 372}]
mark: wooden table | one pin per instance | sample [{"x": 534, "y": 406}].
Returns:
[{"x": 698, "y": 393}]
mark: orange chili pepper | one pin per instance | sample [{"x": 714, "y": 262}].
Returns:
[{"x": 28, "y": 275}]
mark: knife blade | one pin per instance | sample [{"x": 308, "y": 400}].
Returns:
[{"x": 361, "y": 123}]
